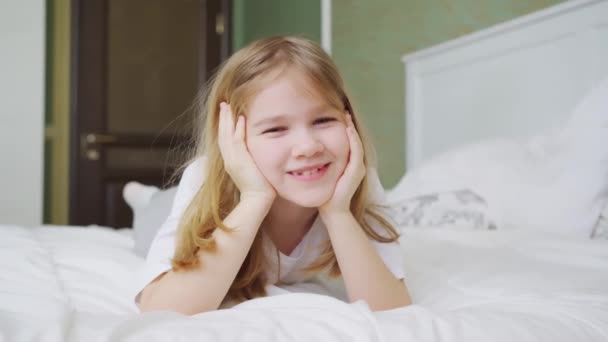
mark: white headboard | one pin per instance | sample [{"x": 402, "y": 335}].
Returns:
[{"x": 506, "y": 81}]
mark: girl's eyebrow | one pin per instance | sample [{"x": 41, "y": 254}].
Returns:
[{"x": 272, "y": 119}]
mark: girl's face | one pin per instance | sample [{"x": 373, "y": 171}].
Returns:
[{"x": 297, "y": 140}]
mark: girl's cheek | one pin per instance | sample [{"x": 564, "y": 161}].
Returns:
[
  {"x": 255, "y": 149},
  {"x": 345, "y": 147},
  {"x": 265, "y": 155},
  {"x": 342, "y": 139}
]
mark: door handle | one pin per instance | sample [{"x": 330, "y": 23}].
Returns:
[
  {"x": 94, "y": 138},
  {"x": 91, "y": 152}
]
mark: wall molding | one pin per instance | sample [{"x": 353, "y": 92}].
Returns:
[{"x": 326, "y": 25}]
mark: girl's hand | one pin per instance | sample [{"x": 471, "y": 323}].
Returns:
[
  {"x": 238, "y": 161},
  {"x": 352, "y": 176}
]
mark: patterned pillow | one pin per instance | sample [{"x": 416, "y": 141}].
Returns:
[
  {"x": 460, "y": 209},
  {"x": 601, "y": 228}
]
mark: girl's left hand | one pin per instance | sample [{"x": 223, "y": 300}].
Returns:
[{"x": 351, "y": 177}]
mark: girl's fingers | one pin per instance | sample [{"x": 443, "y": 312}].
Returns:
[
  {"x": 223, "y": 133},
  {"x": 231, "y": 135},
  {"x": 229, "y": 120},
  {"x": 220, "y": 127},
  {"x": 356, "y": 147},
  {"x": 226, "y": 131},
  {"x": 239, "y": 131}
]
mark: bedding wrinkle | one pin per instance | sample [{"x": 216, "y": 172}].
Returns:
[
  {"x": 30, "y": 303},
  {"x": 499, "y": 286},
  {"x": 50, "y": 256}
]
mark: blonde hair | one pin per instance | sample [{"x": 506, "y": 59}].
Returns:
[{"x": 240, "y": 78}]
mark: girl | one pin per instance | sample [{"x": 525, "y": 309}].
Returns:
[{"x": 276, "y": 194}]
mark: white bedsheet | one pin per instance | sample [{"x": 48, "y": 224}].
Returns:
[{"x": 74, "y": 284}]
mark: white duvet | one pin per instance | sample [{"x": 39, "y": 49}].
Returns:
[{"x": 74, "y": 284}]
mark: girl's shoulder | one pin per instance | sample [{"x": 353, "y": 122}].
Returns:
[
  {"x": 196, "y": 165},
  {"x": 377, "y": 194},
  {"x": 194, "y": 172},
  {"x": 191, "y": 180}
]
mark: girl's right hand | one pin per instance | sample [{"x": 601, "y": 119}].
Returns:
[{"x": 238, "y": 161}]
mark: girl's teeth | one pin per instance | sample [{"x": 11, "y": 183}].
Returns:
[{"x": 308, "y": 172}]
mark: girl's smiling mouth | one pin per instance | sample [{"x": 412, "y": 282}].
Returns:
[{"x": 310, "y": 173}]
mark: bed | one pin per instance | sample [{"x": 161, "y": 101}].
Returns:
[
  {"x": 485, "y": 259},
  {"x": 72, "y": 284}
]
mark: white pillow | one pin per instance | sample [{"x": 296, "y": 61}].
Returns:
[
  {"x": 151, "y": 207},
  {"x": 556, "y": 181}
]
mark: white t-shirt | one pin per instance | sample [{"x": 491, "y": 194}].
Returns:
[{"x": 161, "y": 251}]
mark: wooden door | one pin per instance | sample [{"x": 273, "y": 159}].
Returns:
[{"x": 137, "y": 65}]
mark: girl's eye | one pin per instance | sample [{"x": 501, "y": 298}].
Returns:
[
  {"x": 274, "y": 130},
  {"x": 324, "y": 120}
]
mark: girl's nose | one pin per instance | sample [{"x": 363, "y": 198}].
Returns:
[{"x": 307, "y": 146}]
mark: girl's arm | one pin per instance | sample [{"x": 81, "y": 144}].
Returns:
[
  {"x": 365, "y": 275},
  {"x": 204, "y": 287}
]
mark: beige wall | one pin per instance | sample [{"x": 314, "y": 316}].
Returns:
[
  {"x": 369, "y": 38},
  {"x": 56, "y": 154}
]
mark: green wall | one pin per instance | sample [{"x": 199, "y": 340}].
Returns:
[
  {"x": 369, "y": 38},
  {"x": 253, "y": 19}
]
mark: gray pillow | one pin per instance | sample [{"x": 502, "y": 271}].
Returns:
[{"x": 151, "y": 207}]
